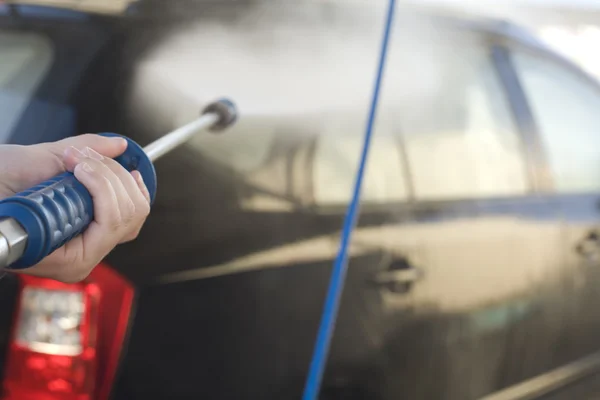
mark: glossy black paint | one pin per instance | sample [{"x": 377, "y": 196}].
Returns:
[{"x": 449, "y": 332}]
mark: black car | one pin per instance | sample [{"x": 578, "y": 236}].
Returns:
[{"x": 475, "y": 266}]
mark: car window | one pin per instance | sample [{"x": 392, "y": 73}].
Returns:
[
  {"x": 461, "y": 140},
  {"x": 336, "y": 161},
  {"x": 445, "y": 131},
  {"x": 449, "y": 136},
  {"x": 26, "y": 59},
  {"x": 565, "y": 107}
]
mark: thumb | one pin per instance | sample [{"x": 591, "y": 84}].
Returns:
[{"x": 110, "y": 147}]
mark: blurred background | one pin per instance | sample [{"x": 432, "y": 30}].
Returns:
[{"x": 474, "y": 268}]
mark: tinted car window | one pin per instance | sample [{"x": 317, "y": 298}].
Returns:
[
  {"x": 568, "y": 117},
  {"x": 26, "y": 59}
]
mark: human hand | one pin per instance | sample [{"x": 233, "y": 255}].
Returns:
[{"x": 121, "y": 199}]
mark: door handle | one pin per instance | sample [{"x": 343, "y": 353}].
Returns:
[
  {"x": 589, "y": 246},
  {"x": 399, "y": 276}
]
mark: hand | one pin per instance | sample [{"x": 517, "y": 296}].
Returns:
[{"x": 121, "y": 200}]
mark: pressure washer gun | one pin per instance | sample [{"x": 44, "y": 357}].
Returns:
[{"x": 42, "y": 219}]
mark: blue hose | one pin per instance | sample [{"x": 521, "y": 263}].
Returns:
[{"x": 338, "y": 275}]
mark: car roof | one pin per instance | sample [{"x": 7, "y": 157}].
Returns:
[{"x": 513, "y": 35}]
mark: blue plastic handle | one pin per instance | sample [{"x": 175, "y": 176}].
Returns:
[{"x": 56, "y": 211}]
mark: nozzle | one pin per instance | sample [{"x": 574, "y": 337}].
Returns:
[
  {"x": 225, "y": 110},
  {"x": 215, "y": 117}
]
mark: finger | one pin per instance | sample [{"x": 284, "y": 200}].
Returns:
[
  {"x": 123, "y": 183},
  {"x": 107, "y": 146},
  {"x": 51, "y": 160},
  {"x": 72, "y": 156},
  {"x": 102, "y": 235},
  {"x": 105, "y": 167},
  {"x": 129, "y": 183},
  {"x": 106, "y": 204},
  {"x": 145, "y": 208},
  {"x": 140, "y": 198},
  {"x": 141, "y": 185},
  {"x": 133, "y": 182}
]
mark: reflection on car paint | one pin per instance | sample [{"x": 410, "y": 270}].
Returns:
[{"x": 500, "y": 317}]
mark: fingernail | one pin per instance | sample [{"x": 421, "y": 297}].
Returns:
[
  {"x": 91, "y": 153},
  {"x": 119, "y": 140},
  {"x": 87, "y": 168}
]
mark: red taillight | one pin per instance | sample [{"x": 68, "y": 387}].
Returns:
[
  {"x": 67, "y": 338},
  {"x": 53, "y": 351}
]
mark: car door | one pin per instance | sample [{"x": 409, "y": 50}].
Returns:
[
  {"x": 233, "y": 264},
  {"x": 458, "y": 307},
  {"x": 565, "y": 102}
]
